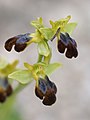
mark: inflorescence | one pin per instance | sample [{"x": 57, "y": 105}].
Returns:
[{"x": 60, "y": 30}]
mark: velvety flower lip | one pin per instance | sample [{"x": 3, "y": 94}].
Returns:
[
  {"x": 2, "y": 96},
  {"x": 68, "y": 44},
  {"x": 49, "y": 99},
  {"x": 20, "y": 42},
  {"x": 51, "y": 85},
  {"x": 46, "y": 91},
  {"x": 71, "y": 40},
  {"x": 5, "y": 89}
]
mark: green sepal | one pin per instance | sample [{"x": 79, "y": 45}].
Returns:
[
  {"x": 43, "y": 48},
  {"x": 47, "y": 68},
  {"x": 48, "y": 33},
  {"x": 60, "y": 23},
  {"x": 69, "y": 28},
  {"x": 22, "y": 76},
  {"x": 50, "y": 68}
]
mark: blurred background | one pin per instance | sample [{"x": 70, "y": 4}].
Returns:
[{"x": 73, "y": 79}]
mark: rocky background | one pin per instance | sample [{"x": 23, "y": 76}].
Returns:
[{"x": 73, "y": 79}]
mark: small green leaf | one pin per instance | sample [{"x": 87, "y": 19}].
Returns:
[
  {"x": 51, "y": 68},
  {"x": 22, "y": 76},
  {"x": 43, "y": 48},
  {"x": 47, "y": 33},
  {"x": 3, "y": 63},
  {"x": 69, "y": 28}
]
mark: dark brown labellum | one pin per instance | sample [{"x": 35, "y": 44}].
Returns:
[
  {"x": 2, "y": 95},
  {"x": 20, "y": 47},
  {"x": 46, "y": 91},
  {"x": 9, "y": 43},
  {"x": 5, "y": 89},
  {"x": 38, "y": 93},
  {"x": 9, "y": 90},
  {"x": 49, "y": 99},
  {"x": 20, "y": 42},
  {"x": 61, "y": 47},
  {"x": 66, "y": 42}
]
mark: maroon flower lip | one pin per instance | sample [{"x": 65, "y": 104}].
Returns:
[
  {"x": 46, "y": 91},
  {"x": 5, "y": 89},
  {"x": 68, "y": 44},
  {"x": 20, "y": 42}
]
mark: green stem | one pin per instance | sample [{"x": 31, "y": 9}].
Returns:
[
  {"x": 39, "y": 58},
  {"x": 48, "y": 58}
]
